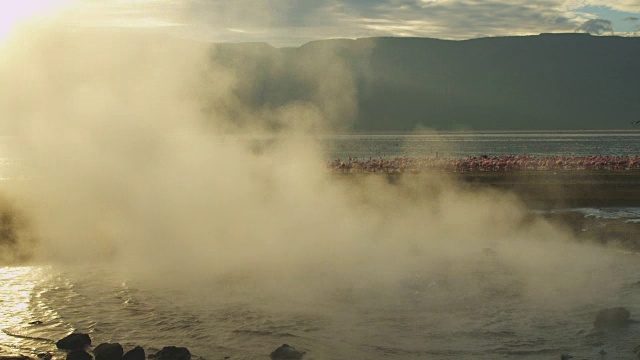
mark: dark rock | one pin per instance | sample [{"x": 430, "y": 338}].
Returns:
[
  {"x": 36, "y": 322},
  {"x": 602, "y": 352},
  {"x": 108, "y": 351},
  {"x": 286, "y": 352},
  {"x": 618, "y": 316},
  {"x": 45, "y": 356},
  {"x": 74, "y": 341},
  {"x": 14, "y": 357},
  {"x": 137, "y": 353},
  {"x": 172, "y": 353},
  {"x": 79, "y": 355}
]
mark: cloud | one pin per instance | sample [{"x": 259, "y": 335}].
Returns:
[
  {"x": 631, "y": 6},
  {"x": 596, "y": 27},
  {"x": 450, "y": 19},
  {"x": 294, "y": 22},
  {"x": 468, "y": 19}
]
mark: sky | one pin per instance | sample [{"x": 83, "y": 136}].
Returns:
[{"x": 295, "y": 22}]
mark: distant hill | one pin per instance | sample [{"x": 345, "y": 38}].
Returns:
[{"x": 544, "y": 82}]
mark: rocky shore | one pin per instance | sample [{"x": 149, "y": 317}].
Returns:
[
  {"x": 558, "y": 197},
  {"x": 78, "y": 346}
]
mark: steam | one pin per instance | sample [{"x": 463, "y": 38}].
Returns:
[
  {"x": 138, "y": 153},
  {"x": 596, "y": 27}
]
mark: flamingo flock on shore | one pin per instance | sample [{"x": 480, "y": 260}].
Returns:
[{"x": 485, "y": 163}]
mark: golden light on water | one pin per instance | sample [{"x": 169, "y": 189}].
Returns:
[{"x": 16, "y": 287}]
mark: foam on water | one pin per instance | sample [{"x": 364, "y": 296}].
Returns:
[{"x": 630, "y": 213}]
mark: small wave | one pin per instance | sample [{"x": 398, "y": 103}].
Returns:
[
  {"x": 491, "y": 334},
  {"x": 397, "y": 351},
  {"x": 263, "y": 333},
  {"x": 512, "y": 352},
  {"x": 18, "y": 334},
  {"x": 610, "y": 213},
  {"x": 604, "y": 213}
]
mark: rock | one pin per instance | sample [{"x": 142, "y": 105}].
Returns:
[
  {"x": 14, "y": 357},
  {"x": 108, "y": 351},
  {"x": 286, "y": 352},
  {"x": 45, "y": 356},
  {"x": 173, "y": 353},
  {"x": 618, "y": 316},
  {"x": 79, "y": 355},
  {"x": 74, "y": 341},
  {"x": 137, "y": 353}
]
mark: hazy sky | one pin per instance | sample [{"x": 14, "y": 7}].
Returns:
[{"x": 294, "y": 22}]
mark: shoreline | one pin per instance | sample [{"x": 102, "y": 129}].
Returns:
[
  {"x": 544, "y": 189},
  {"x": 609, "y": 188}
]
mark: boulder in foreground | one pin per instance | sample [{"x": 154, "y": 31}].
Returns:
[
  {"x": 74, "y": 341},
  {"x": 286, "y": 352},
  {"x": 137, "y": 353},
  {"x": 108, "y": 351},
  {"x": 79, "y": 355},
  {"x": 172, "y": 353},
  {"x": 617, "y": 316}
]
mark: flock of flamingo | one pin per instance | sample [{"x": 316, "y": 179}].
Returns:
[{"x": 486, "y": 163}]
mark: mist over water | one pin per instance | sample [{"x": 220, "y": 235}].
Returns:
[{"x": 136, "y": 161}]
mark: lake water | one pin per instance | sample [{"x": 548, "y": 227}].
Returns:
[
  {"x": 478, "y": 309},
  {"x": 415, "y": 288},
  {"x": 459, "y": 144}
]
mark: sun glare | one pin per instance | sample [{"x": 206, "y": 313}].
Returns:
[{"x": 13, "y": 12}]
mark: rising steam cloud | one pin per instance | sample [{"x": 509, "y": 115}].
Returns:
[
  {"x": 596, "y": 27},
  {"x": 137, "y": 152}
]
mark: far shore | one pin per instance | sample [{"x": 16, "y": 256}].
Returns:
[{"x": 480, "y": 131}]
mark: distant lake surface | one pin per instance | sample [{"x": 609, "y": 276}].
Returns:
[{"x": 462, "y": 144}]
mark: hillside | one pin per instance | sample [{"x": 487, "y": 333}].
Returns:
[{"x": 544, "y": 82}]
